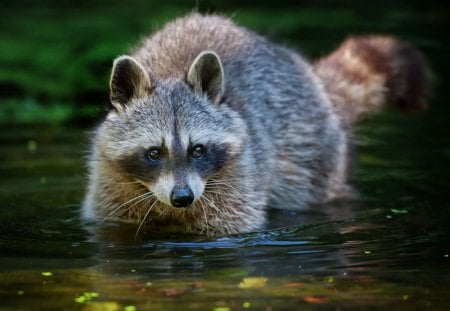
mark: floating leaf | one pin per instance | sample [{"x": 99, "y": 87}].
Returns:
[
  {"x": 46, "y": 273},
  {"x": 253, "y": 282},
  {"x": 87, "y": 296}
]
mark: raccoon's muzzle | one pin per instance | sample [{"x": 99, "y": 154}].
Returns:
[{"x": 181, "y": 197}]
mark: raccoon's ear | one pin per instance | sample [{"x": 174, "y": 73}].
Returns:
[
  {"x": 206, "y": 75},
  {"x": 129, "y": 80}
]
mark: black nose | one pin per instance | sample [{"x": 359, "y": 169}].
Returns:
[{"x": 181, "y": 197}]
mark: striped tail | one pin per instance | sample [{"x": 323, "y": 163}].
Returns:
[{"x": 365, "y": 73}]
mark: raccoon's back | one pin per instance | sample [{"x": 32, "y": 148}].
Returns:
[
  {"x": 261, "y": 78},
  {"x": 169, "y": 52}
]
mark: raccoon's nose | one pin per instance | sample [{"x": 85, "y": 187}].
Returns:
[{"x": 181, "y": 197}]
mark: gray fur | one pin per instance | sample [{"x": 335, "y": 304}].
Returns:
[{"x": 280, "y": 141}]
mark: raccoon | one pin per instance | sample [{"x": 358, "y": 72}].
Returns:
[{"x": 213, "y": 124}]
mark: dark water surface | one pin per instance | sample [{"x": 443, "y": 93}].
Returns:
[{"x": 389, "y": 250}]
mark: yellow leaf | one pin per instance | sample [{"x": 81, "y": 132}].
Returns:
[
  {"x": 102, "y": 306},
  {"x": 253, "y": 282}
]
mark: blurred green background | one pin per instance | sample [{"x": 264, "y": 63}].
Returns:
[{"x": 55, "y": 55}]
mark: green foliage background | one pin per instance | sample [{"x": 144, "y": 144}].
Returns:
[{"x": 55, "y": 56}]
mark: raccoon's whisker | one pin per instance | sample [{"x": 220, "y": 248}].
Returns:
[
  {"x": 224, "y": 176},
  {"x": 226, "y": 179},
  {"x": 216, "y": 195},
  {"x": 211, "y": 203},
  {"x": 221, "y": 185},
  {"x": 206, "y": 218},
  {"x": 224, "y": 182},
  {"x": 218, "y": 183},
  {"x": 130, "y": 208},
  {"x": 212, "y": 200},
  {"x": 220, "y": 191},
  {"x": 123, "y": 204},
  {"x": 143, "y": 219}
]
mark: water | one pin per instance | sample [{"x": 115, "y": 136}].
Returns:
[{"x": 389, "y": 249}]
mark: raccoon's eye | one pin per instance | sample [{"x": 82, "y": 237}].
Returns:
[
  {"x": 154, "y": 154},
  {"x": 198, "y": 151}
]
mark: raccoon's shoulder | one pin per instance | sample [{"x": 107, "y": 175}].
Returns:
[{"x": 170, "y": 51}]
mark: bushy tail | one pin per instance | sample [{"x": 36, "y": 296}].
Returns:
[{"x": 365, "y": 73}]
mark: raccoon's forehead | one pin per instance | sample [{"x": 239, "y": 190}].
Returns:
[{"x": 174, "y": 113}]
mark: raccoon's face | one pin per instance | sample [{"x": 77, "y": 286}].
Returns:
[{"x": 174, "y": 136}]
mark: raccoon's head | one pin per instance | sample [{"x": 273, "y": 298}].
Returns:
[{"x": 171, "y": 135}]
